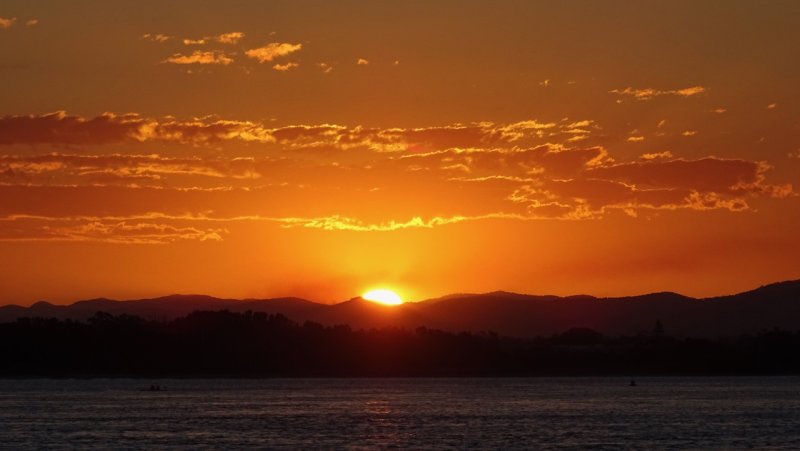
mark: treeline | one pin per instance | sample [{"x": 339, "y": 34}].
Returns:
[{"x": 225, "y": 344}]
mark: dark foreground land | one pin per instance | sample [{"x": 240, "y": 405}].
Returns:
[{"x": 226, "y": 344}]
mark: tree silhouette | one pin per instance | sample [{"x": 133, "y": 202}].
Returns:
[{"x": 226, "y": 344}]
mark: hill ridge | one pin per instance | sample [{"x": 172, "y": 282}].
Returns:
[{"x": 508, "y": 313}]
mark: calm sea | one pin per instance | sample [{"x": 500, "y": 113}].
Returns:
[{"x": 541, "y": 413}]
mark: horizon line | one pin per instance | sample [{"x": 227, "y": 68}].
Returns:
[{"x": 449, "y": 295}]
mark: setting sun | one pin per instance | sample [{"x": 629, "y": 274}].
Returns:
[{"x": 386, "y": 297}]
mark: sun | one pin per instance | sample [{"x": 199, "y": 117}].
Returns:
[{"x": 383, "y": 296}]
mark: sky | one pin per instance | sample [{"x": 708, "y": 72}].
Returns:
[{"x": 248, "y": 149}]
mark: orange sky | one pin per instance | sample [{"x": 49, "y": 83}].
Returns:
[{"x": 318, "y": 149}]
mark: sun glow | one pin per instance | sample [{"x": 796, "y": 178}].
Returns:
[{"x": 382, "y": 296}]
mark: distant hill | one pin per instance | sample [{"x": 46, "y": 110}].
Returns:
[{"x": 510, "y": 314}]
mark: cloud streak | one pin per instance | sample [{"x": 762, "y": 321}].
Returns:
[
  {"x": 160, "y": 228},
  {"x": 285, "y": 67},
  {"x": 61, "y": 128},
  {"x": 225, "y": 38},
  {"x": 6, "y": 23},
  {"x": 651, "y": 93},
  {"x": 200, "y": 57},
  {"x": 109, "y": 128},
  {"x": 318, "y": 176},
  {"x": 129, "y": 167},
  {"x": 157, "y": 37},
  {"x": 272, "y": 50}
]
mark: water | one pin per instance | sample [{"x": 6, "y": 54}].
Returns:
[{"x": 540, "y": 413}]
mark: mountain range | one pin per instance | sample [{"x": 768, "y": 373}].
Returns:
[{"x": 510, "y": 314}]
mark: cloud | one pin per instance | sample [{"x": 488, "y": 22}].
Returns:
[
  {"x": 272, "y": 50},
  {"x": 158, "y": 228},
  {"x": 708, "y": 175},
  {"x": 93, "y": 168},
  {"x": 32, "y": 23},
  {"x": 521, "y": 185},
  {"x": 523, "y": 150},
  {"x": 719, "y": 110},
  {"x": 580, "y": 187},
  {"x": 285, "y": 67},
  {"x": 650, "y": 93},
  {"x": 423, "y": 139},
  {"x": 200, "y": 57},
  {"x": 689, "y": 133},
  {"x": 635, "y": 139},
  {"x": 224, "y": 38},
  {"x": 588, "y": 198},
  {"x": 325, "y": 67},
  {"x": 362, "y": 62},
  {"x": 337, "y": 222},
  {"x": 156, "y": 37},
  {"x": 229, "y": 38},
  {"x": 772, "y": 106},
  {"x": 524, "y": 168},
  {"x": 61, "y": 128},
  {"x": 540, "y": 161},
  {"x": 656, "y": 155},
  {"x": 7, "y": 23},
  {"x": 131, "y": 233},
  {"x": 108, "y": 128},
  {"x": 102, "y": 230},
  {"x": 688, "y": 92}
]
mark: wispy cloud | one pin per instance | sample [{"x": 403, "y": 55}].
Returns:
[
  {"x": 68, "y": 167},
  {"x": 362, "y": 62},
  {"x": 272, "y": 50},
  {"x": 526, "y": 169},
  {"x": 285, "y": 67},
  {"x": 7, "y": 23},
  {"x": 229, "y": 38},
  {"x": 61, "y": 128},
  {"x": 200, "y": 57},
  {"x": 650, "y": 93},
  {"x": 224, "y": 38},
  {"x": 102, "y": 230},
  {"x": 656, "y": 155},
  {"x": 337, "y": 222},
  {"x": 708, "y": 175},
  {"x": 158, "y": 37}
]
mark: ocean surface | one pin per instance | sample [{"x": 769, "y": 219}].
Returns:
[{"x": 536, "y": 413}]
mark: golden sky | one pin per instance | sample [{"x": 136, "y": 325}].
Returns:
[{"x": 319, "y": 149}]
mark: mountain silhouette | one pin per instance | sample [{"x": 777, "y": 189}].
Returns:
[{"x": 509, "y": 314}]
